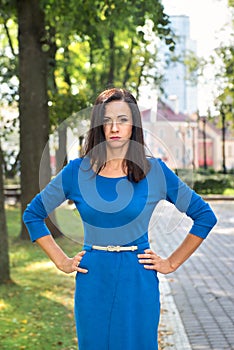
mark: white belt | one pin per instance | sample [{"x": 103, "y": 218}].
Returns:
[{"x": 115, "y": 248}]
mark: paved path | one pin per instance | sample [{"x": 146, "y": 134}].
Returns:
[{"x": 197, "y": 299}]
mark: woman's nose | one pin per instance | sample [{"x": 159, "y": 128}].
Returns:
[{"x": 114, "y": 126}]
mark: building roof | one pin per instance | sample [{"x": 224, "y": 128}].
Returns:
[
  {"x": 212, "y": 128},
  {"x": 166, "y": 112}
]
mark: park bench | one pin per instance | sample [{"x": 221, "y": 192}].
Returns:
[{"x": 12, "y": 193}]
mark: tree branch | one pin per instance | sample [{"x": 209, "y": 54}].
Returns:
[
  {"x": 9, "y": 38},
  {"x": 128, "y": 66}
]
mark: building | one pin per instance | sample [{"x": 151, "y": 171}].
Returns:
[
  {"x": 171, "y": 136},
  {"x": 180, "y": 92},
  {"x": 185, "y": 141}
]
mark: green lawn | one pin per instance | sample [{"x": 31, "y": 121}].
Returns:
[
  {"x": 229, "y": 192},
  {"x": 36, "y": 311}
]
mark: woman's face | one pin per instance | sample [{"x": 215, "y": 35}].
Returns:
[{"x": 117, "y": 124}]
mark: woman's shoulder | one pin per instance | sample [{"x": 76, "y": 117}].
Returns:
[
  {"x": 154, "y": 160},
  {"x": 80, "y": 163},
  {"x": 74, "y": 162},
  {"x": 159, "y": 166}
]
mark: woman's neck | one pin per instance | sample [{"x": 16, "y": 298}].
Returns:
[{"x": 114, "y": 168}]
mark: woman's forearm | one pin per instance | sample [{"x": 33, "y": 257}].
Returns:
[
  {"x": 59, "y": 258},
  {"x": 54, "y": 252},
  {"x": 184, "y": 251}
]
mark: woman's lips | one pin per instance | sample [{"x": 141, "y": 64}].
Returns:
[{"x": 114, "y": 138}]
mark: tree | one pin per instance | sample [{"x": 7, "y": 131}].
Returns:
[
  {"x": 33, "y": 101},
  {"x": 225, "y": 76},
  {"x": 4, "y": 255},
  {"x": 109, "y": 46},
  {"x": 70, "y": 50}
]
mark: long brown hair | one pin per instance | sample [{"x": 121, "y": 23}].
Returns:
[{"x": 95, "y": 148}]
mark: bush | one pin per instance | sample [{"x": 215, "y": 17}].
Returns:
[
  {"x": 207, "y": 181},
  {"x": 212, "y": 186}
]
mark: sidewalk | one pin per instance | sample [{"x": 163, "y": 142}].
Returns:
[{"x": 197, "y": 299}]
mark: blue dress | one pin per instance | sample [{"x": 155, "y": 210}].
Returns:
[{"x": 117, "y": 303}]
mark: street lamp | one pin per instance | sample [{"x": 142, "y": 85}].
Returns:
[
  {"x": 226, "y": 105},
  {"x": 203, "y": 119},
  {"x": 204, "y": 142}
]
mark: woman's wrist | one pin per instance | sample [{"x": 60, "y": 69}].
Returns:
[
  {"x": 54, "y": 252},
  {"x": 173, "y": 265},
  {"x": 63, "y": 264}
]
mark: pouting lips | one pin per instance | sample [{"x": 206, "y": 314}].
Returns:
[{"x": 115, "y": 138}]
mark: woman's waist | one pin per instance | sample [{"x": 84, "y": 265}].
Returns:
[{"x": 139, "y": 244}]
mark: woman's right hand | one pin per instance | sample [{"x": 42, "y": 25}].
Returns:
[
  {"x": 59, "y": 258},
  {"x": 70, "y": 265}
]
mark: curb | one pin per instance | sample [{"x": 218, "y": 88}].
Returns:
[
  {"x": 217, "y": 197},
  {"x": 172, "y": 331}
]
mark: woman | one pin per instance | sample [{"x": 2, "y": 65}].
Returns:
[{"x": 115, "y": 188}]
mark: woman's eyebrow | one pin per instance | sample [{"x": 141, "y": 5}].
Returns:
[{"x": 118, "y": 116}]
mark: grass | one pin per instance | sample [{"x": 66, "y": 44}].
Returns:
[
  {"x": 36, "y": 311},
  {"x": 69, "y": 220},
  {"x": 229, "y": 192}
]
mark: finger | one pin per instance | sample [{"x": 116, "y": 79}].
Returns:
[
  {"x": 149, "y": 267},
  {"x": 79, "y": 257},
  {"x": 79, "y": 269},
  {"x": 145, "y": 261},
  {"x": 144, "y": 256},
  {"x": 80, "y": 254},
  {"x": 148, "y": 251}
]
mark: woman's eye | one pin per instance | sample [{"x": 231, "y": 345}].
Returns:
[
  {"x": 107, "y": 121},
  {"x": 124, "y": 120}
]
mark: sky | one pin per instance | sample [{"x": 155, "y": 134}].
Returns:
[
  {"x": 208, "y": 19},
  {"x": 208, "y": 26}
]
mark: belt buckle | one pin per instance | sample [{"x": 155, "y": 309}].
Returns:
[{"x": 112, "y": 248}]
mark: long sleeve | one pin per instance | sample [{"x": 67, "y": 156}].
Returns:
[
  {"x": 189, "y": 202},
  {"x": 54, "y": 194}
]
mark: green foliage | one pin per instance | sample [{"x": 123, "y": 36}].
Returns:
[
  {"x": 194, "y": 67},
  {"x": 99, "y": 44},
  {"x": 80, "y": 59},
  {"x": 8, "y": 61},
  {"x": 213, "y": 184},
  {"x": 90, "y": 45},
  {"x": 226, "y": 74},
  {"x": 207, "y": 181}
]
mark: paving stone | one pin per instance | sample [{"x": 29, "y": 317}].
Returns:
[{"x": 203, "y": 288}]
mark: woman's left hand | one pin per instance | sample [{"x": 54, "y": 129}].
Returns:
[{"x": 152, "y": 261}]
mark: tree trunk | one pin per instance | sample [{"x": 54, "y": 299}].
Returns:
[
  {"x": 33, "y": 106},
  {"x": 61, "y": 153},
  {"x": 139, "y": 80},
  {"x": 4, "y": 255},
  {"x": 128, "y": 66},
  {"x": 112, "y": 59}
]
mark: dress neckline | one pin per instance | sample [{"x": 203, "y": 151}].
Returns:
[
  {"x": 112, "y": 178},
  {"x": 105, "y": 177}
]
